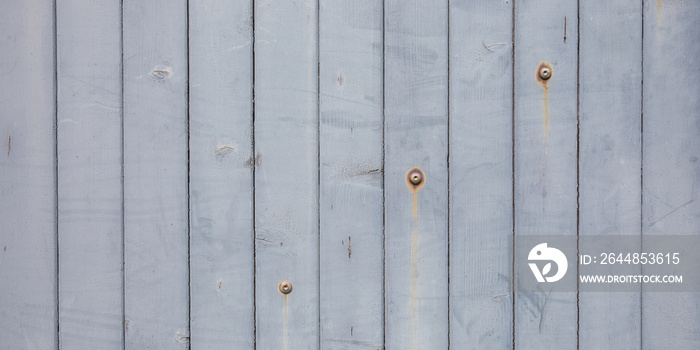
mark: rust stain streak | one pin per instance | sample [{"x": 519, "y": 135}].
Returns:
[
  {"x": 285, "y": 338},
  {"x": 545, "y": 87},
  {"x": 659, "y": 10},
  {"x": 349, "y": 247},
  {"x": 414, "y": 270},
  {"x": 9, "y": 144},
  {"x": 415, "y": 240},
  {"x": 546, "y": 119}
]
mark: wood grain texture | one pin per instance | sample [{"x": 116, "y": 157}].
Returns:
[
  {"x": 286, "y": 175},
  {"x": 671, "y": 148},
  {"x": 545, "y": 158},
  {"x": 155, "y": 175},
  {"x": 90, "y": 175},
  {"x": 221, "y": 174},
  {"x": 351, "y": 174},
  {"x": 481, "y": 210},
  {"x": 610, "y": 157},
  {"x": 28, "y": 316},
  {"x": 415, "y": 70}
]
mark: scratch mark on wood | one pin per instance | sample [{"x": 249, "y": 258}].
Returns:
[
  {"x": 488, "y": 47},
  {"x": 264, "y": 240},
  {"x": 358, "y": 343},
  {"x": 497, "y": 298},
  {"x": 542, "y": 311},
  {"x": 672, "y": 211}
]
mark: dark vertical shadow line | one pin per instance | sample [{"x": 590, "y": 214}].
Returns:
[
  {"x": 318, "y": 166},
  {"x": 449, "y": 197},
  {"x": 121, "y": 107},
  {"x": 189, "y": 207},
  {"x": 641, "y": 186},
  {"x": 578, "y": 166},
  {"x": 384, "y": 174},
  {"x": 55, "y": 150},
  {"x": 512, "y": 165},
  {"x": 253, "y": 167}
]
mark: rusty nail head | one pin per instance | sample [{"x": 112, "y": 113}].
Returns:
[
  {"x": 285, "y": 287},
  {"x": 545, "y": 73},
  {"x": 415, "y": 177}
]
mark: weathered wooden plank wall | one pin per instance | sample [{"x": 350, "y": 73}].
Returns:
[
  {"x": 481, "y": 174},
  {"x": 670, "y": 153},
  {"x": 610, "y": 156},
  {"x": 415, "y": 135},
  {"x": 169, "y": 163},
  {"x": 28, "y": 198},
  {"x": 89, "y": 175},
  {"x": 156, "y": 206},
  {"x": 545, "y": 162},
  {"x": 221, "y": 174},
  {"x": 286, "y": 174},
  {"x": 351, "y": 181}
]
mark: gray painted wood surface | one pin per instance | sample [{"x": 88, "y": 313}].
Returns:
[
  {"x": 28, "y": 269},
  {"x": 168, "y": 164},
  {"x": 89, "y": 175},
  {"x": 545, "y": 164},
  {"x": 221, "y": 174},
  {"x": 286, "y": 175},
  {"x": 351, "y": 174},
  {"x": 481, "y": 175},
  {"x": 415, "y": 126},
  {"x": 610, "y": 156},
  {"x": 671, "y": 149},
  {"x": 156, "y": 250}
]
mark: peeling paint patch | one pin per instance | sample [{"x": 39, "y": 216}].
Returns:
[
  {"x": 161, "y": 72},
  {"x": 182, "y": 338},
  {"x": 223, "y": 150}
]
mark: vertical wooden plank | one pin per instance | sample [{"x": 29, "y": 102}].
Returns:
[
  {"x": 286, "y": 175},
  {"x": 671, "y": 148},
  {"x": 27, "y": 176},
  {"x": 155, "y": 175},
  {"x": 481, "y": 174},
  {"x": 89, "y": 174},
  {"x": 545, "y": 157},
  {"x": 351, "y": 191},
  {"x": 610, "y": 156},
  {"x": 221, "y": 178},
  {"x": 416, "y": 135}
]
